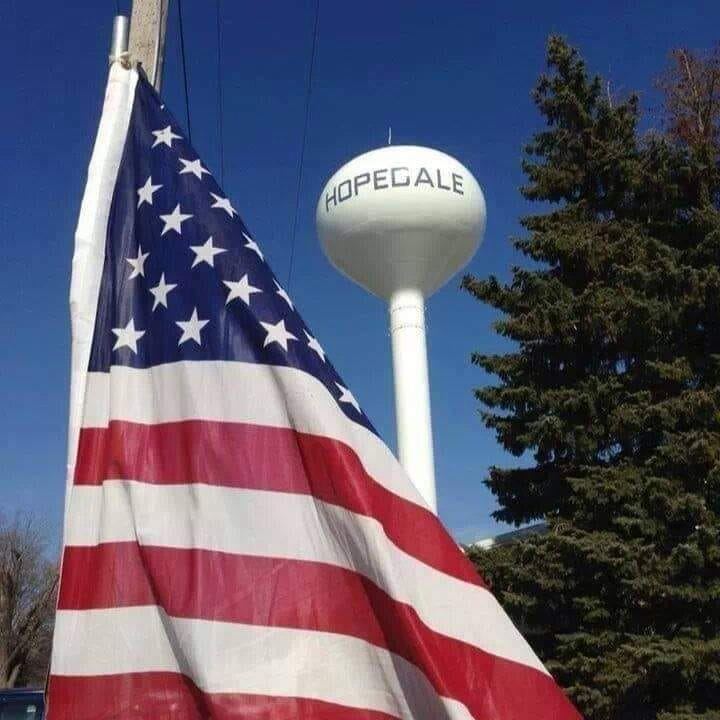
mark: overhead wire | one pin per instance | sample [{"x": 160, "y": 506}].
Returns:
[
  {"x": 308, "y": 95},
  {"x": 221, "y": 141},
  {"x": 184, "y": 68}
]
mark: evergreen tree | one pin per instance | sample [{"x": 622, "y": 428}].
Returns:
[{"x": 614, "y": 390}]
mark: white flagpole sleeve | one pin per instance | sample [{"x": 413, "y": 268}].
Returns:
[{"x": 90, "y": 236}]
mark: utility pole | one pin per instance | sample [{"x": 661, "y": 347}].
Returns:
[{"x": 147, "y": 36}]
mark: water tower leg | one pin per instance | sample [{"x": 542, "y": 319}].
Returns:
[{"x": 412, "y": 391}]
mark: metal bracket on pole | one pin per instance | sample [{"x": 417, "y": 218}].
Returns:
[{"x": 147, "y": 37}]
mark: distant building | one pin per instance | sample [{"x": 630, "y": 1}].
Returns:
[{"x": 509, "y": 537}]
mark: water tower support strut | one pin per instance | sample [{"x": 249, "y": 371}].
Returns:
[{"x": 412, "y": 391}]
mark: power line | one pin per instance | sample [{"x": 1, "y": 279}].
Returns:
[
  {"x": 184, "y": 68},
  {"x": 220, "y": 96},
  {"x": 308, "y": 94}
]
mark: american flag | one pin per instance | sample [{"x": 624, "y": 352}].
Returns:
[{"x": 239, "y": 542}]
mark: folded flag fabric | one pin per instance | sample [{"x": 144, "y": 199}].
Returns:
[{"x": 239, "y": 542}]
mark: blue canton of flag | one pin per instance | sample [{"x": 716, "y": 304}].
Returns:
[{"x": 184, "y": 279}]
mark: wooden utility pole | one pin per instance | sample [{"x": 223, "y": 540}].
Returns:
[{"x": 148, "y": 23}]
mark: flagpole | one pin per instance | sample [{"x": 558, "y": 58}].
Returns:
[{"x": 148, "y": 24}]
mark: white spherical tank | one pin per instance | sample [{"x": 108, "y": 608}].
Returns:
[
  {"x": 401, "y": 217},
  {"x": 400, "y": 221}
]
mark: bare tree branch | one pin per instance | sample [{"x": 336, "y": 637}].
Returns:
[
  {"x": 691, "y": 86},
  {"x": 28, "y": 583}
]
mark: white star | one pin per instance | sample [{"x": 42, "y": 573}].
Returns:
[
  {"x": 127, "y": 336},
  {"x": 223, "y": 204},
  {"x": 195, "y": 167},
  {"x": 146, "y": 192},
  {"x": 281, "y": 292},
  {"x": 313, "y": 344},
  {"x": 160, "y": 292},
  {"x": 191, "y": 328},
  {"x": 252, "y": 245},
  {"x": 347, "y": 397},
  {"x": 165, "y": 136},
  {"x": 277, "y": 333},
  {"x": 174, "y": 220},
  {"x": 241, "y": 289},
  {"x": 206, "y": 252},
  {"x": 138, "y": 263}
]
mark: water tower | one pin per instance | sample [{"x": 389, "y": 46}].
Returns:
[{"x": 400, "y": 221}]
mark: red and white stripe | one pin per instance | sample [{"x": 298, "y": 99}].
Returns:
[
  {"x": 241, "y": 543},
  {"x": 236, "y": 547}
]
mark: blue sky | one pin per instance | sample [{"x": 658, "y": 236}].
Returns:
[{"x": 455, "y": 75}]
